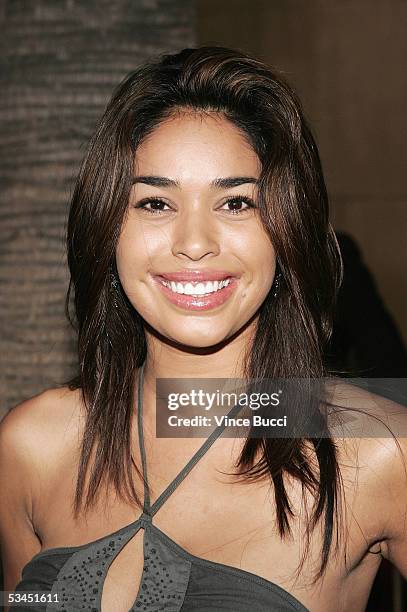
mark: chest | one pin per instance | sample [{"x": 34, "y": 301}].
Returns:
[{"x": 213, "y": 518}]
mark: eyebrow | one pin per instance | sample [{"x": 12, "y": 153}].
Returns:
[{"x": 219, "y": 183}]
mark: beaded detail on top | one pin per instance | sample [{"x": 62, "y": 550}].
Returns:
[
  {"x": 163, "y": 584},
  {"x": 165, "y": 577},
  {"x": 80, "y": 581}
]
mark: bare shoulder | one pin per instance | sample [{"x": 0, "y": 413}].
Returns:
[
  {"x": 36, "y": 433},
  {"x": 363, "y": 412},
  {"x": 372, "y": 441},
  {"x": 36, "y": 427},
  {"x": 370, "y": 425},
  {"x": 367, "y": 421},
  {"x": 34, "y": 438},
  {"x": 55, "y": 401}
]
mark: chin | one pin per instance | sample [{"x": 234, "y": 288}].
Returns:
[{"x": 196, "y": 338}]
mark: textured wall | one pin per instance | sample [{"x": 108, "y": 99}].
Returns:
[
  {"x": 348, "y": 62},
  {"x": 60, "y": 60}
]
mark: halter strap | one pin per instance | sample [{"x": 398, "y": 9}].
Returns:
[
  {"x": 146, "y": 505},
  {"x": 151, "y": 510}
]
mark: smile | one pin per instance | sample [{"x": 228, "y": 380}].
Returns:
[
  {"x": 193, "y": 295},
  {"x": 197, "y": 288}
]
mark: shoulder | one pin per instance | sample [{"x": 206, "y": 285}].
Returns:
[
  {"x": 35, "y": 425},
  {"x": 371, "y": 425},
  {"x": 35, "y": 432},
  {"x": 372, "y": 440},
  {"x": 33, "y": 437}
]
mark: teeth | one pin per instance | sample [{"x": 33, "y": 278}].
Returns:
[{"x": 196, "y": 288}]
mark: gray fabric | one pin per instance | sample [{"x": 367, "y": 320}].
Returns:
[
  {"x": 202, "y": 585},
  {"x": 163, "y": 584},
  {"x": 80, "y": 581}
]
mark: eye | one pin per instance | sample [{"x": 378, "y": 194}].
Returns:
[
  {"x": 236, "y": 202},
  {"x": 156, "y": 203}
]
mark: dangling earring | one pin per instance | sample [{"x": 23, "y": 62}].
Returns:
[
  {"x": 276, "y": 284},
  {"x": 114, "y": 287}
]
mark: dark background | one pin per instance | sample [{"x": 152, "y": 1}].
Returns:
[{"x": 60, "y": 60}]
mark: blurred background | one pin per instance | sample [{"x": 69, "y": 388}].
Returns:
[{"x": 61, "y": 59}]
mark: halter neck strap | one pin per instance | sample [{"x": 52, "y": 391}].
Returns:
[
  {"x": 152, "y": 509},
  {"x": 146, "y": 504}
]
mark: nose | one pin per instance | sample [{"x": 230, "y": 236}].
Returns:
[{"x": 195, "y": 234}]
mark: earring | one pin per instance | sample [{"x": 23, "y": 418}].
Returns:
[
  {"x": 276, "y": 284},
  {"x": 114, "y": 287}
]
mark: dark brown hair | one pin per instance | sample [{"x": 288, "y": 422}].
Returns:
[{"x": 292, "y": 329}]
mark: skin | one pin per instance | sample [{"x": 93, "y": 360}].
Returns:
[
  {"x": 215, "y": 519},
  {"x": 196, "y": 229}
]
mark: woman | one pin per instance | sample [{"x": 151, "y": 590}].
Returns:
[{"x": 199, "y": 246}]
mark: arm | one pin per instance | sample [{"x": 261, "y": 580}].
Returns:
[
  {"x": 380, "y": 462},
  {"x": 19, "y": 479},
  {"x": 395, "y": 467}
]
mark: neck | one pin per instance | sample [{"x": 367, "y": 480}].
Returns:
[{"x": 166, "y": 359}]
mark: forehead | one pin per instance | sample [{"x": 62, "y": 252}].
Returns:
[{"x": 196, "y": 147}]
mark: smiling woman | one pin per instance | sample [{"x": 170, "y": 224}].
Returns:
[
  {"x": 199, "y": 246},
  {"x": 193, "y": 227}
]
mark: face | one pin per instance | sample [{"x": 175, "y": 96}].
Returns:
[{"x": 193, "y": 256}]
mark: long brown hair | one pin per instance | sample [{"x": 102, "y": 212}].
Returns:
[{"x": 292, "y": 328}]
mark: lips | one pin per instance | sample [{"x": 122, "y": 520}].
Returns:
[{"x": 206, "y": 301}]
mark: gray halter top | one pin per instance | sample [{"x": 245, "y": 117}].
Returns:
[{"x": 173, "y": 580}]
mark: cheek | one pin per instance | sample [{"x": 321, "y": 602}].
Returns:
[
  {"x": 268, "y": 265},
  {"x": 262, "y": 259},
  {"x": 127, "y": 254},
  {"x": 261, "y": 262},
  {"x": 136, "y": 249},
  {"x": 130, "y": 260}
]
